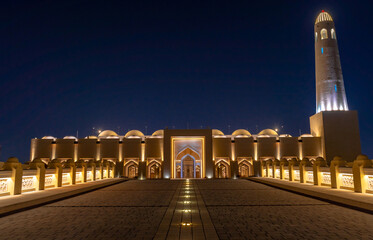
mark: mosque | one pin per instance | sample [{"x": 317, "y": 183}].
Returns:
[{"x": 209, "y": 153}]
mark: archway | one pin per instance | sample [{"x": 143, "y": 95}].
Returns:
[
  {"x": 188, "y": 167},
  {"x": 244, "y": 168},
  {"x": 188, "y": 164},
  {"x": 222, "y": 169},
  {"x": 131, "y": 169},
  {"x": 154, "y": 169}
]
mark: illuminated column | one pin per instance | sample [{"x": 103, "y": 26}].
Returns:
[
  {"x": 283, "y": 163},
  {"x": 330, "y": 90},
  {"x": 292, "y": 162},
  {"x": 360, "y": 182},
  {"x": 320, "y": 162},
  {"x": 334, "y": 171},
  {"x": 15, "y": 185},
  {"x": 305, "y": 162},
  {"x": 40, "y": 173}
]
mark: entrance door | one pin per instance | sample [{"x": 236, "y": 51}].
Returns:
[{"x": 188, "y": 167}]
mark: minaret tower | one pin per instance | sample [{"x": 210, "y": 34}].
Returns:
[
  {"x": 330, "y": 90},
  {"x": 334, "y": 123}
]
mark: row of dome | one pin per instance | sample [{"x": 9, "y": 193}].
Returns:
[
  {"x": 159, "y": 133},
  {"x": 215, "y": 132}
]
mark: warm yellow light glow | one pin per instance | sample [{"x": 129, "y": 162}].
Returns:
[
  {"x": 187, "y": 210},
  {"x": 187, "y": 196},
  {"x": 186, "y": 202},
  {"x": 142, "y": 152},
  {"x": 255, "y": 151},
  {"x": 233, "y": 152},
  {"x": 186, "y": 224}
]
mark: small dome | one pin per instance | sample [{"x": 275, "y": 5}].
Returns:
[
  {"x": 48, "y": 137},
  {"x": 216, "y": 132},
  {"x": 134, "y": 133},
  {"x": 306, "y": 135},
  {"x": 268, "y": 132},
  {"x": 91, "y": 137},
  {"x": 108, "y": 133},
  {"x": 69, "y": 137},
  {"x": 242, "y": 132},
  {"x": 324, "y": 17},
  {"x": 158, "y": 133}
]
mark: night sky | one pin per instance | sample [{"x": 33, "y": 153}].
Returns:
[{"x": 70, "y": 66}]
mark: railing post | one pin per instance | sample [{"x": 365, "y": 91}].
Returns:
[
  {"x": 80, "y": 163},
  {"x": 283, "y": 163},
  {"x": 262, "y": 166},
  {"x": 268, "y": 162},
  {"x": 93, "y": 169},
  {"x": 58, "y": 174},
  {"x": 319, "y": 162},
  {"x": 101, "y": 169},
  {"x": 112, "y": 164},
  {"x": 275, "y": 163},
  {"x": 334, "y": 171},
  {"x": 13, "y": 165},
  {"x": 292, "y": 163},
  {"x": 39, "y": 165},
  {"x": 302, "y": 169},
  {"x": 361, "y": 162},
  {"x": 71, "y": 164}
]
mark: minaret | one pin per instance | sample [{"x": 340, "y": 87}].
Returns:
[
  {"x": 334, "y": 123},
  {"x": 330, "y": 90}
]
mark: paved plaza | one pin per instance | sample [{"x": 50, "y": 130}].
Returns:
[{"x": 196, "y": 209}]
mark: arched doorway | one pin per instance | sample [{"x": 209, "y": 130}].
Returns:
[
  {"x": 244, "y": 168},
  {"x": 188, "y": 167},
  {"x": 222, "y": 169},
  {"x": 131, "y": 169},
  {"x": 188, "y": 164},
  {"x": 154, "y": 169}
]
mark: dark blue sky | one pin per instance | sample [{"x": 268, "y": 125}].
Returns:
[{"x": 71, "y": 66}]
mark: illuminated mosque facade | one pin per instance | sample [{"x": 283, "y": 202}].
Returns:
[{"x": 209, "y": 153}]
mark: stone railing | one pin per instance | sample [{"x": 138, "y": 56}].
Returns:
[
  {"x": 358, "y": 178},
  {"x": 17, "y": 178}
]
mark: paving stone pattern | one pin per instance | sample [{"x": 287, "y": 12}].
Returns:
[
  {"x": 129, "y": 210},
  {"x": 241, "y": 209}
]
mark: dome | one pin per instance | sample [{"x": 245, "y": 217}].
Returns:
[
  {"x": 306, "y": 135},
  {"x": 158, "y": 133},
  {"x": 48, "y": 137},
  {"x": 324, "y": 17},
  {"x": 134, "y": 133},
  {"x": 242, "y": 132},
  {"x": 216, "y": 132},
  {"x": 108, "y": 133},
  {"x": 69, "y": 137},
  {"x": 91, "y": 137},
  {"x": 268, "y": 132}
]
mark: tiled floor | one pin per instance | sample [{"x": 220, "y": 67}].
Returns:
[{"x": 238, "y": 209}]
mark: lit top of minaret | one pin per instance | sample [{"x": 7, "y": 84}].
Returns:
[
  {"x": 330, "y": 90},
  {"x": 323, "y": 17}
]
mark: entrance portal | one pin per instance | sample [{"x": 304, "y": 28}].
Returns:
[{"x": 187, "y": 157}]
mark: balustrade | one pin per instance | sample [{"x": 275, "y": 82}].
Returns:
[{"x": 16, "y": 178}]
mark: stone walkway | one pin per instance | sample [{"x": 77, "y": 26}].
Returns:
[
  {"x": 159, "y": 209},
  {"x": 241, "y": 209}
]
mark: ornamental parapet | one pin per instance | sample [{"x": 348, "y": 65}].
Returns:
[{"x": 17, "y": 178}]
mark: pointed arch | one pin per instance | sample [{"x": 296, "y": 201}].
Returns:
[{"x": 222, "y": 168}]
